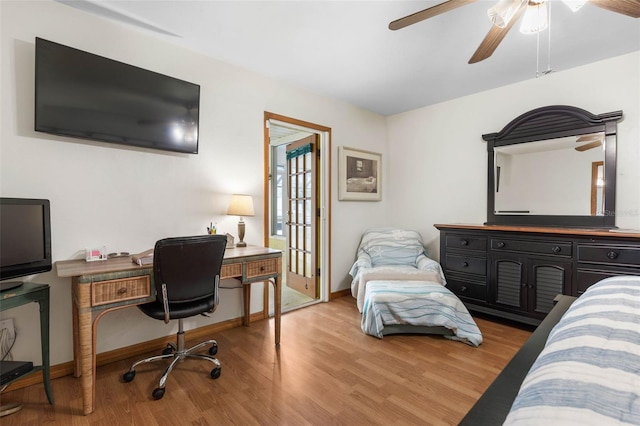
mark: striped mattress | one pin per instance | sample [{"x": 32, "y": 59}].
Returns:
[{"x": 589, "y": 370}]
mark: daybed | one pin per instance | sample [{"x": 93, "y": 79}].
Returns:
[
  {"x": 400, "y": 290},
  {"x": 581, "y": 366}
]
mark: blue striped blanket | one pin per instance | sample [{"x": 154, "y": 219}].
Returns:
[
  {"x": 418, "y": 303},
  {"x": 589, "y": 370}
]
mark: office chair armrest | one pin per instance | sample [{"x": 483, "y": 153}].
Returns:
[{"x": 165, "y": 303}]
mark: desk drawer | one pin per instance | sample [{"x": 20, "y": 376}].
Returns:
[
  {"x": 259, "y": 268},
  {"x": 232, "y": 270},
  {"x": 104, "y": 292}
]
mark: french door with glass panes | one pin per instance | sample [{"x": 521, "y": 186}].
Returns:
[{"x": 301, "y": 216}]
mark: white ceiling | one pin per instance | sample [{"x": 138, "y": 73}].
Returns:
[{"x": 344, "y": 49}]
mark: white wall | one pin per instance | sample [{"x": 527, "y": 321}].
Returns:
[
  {"x": 438, "y": 159},
  {"x": 128, "y": 198}
]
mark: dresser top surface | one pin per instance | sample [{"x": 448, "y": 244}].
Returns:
[{"x": 613, "y": 233}]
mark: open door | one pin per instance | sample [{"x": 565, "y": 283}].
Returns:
[{"x": 301, "y": 216}]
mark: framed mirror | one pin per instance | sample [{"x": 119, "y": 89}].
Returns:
[{"x": 553, "y": 166}]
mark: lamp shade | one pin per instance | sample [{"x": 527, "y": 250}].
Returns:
[{"x": 241, "y": 205}]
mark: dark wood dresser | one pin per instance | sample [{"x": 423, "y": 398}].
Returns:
[{"x": 514, "y": 272}]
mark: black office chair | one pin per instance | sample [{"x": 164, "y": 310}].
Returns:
[{"x": 186, "y": 274}]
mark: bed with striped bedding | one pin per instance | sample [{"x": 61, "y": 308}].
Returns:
[
  {"x": 418, "y": 304},
  {"x": 589, "y": 370}
]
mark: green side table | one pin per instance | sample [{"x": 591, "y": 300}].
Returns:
[{"x": 27, "y": 293}]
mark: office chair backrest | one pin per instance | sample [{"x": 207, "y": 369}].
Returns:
[{"x": 189, "y": 266}]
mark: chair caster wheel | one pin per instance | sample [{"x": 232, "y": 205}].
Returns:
[
  {"x": 215, "y": 373},
  {"x": 213, "y": 350},
  {"x": 128, "y": 376},
  {"x": 168, "y": 350},
  {"x": 158, "y": 393}
]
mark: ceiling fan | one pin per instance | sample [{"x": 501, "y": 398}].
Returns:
[
  {"x": 589, "y": 141},
  {"x": 505, "y": 13}
]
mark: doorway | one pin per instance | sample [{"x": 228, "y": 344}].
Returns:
[{"x": 297, "y": 194}]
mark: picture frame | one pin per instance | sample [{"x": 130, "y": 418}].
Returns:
[{"x": 359, "y": 175}]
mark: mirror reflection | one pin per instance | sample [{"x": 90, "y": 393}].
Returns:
[{"x": 563, "y": 176}]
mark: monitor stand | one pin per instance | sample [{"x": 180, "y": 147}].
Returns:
[{"x": 8, "y": 285}]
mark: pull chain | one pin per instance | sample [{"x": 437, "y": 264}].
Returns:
[{"x": 549, "y": 70}]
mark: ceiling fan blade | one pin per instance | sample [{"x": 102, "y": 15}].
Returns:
[
  {"x": 626, "y": 7},
  {"x": 495, "y": 36},
  {"x": 428, "y": 13},
  {"x": 588, "y": 146}
]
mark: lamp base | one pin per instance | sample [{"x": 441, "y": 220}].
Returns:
[{"x": 241, "y": 243}]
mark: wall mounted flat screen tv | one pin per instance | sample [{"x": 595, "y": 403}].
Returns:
[
  {"x": 82, "y": 95},
  {"x": 25, "y": 238}
]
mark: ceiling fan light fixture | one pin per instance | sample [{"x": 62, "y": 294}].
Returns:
[
  {"x": 535, "y": 18},
  {"x": 574, "y": 5},
  {"x": 502, "y": 12}
]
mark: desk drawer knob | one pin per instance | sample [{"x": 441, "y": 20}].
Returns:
[
  {"x": 464, "y": 242},
  {"x": 556, "y": 249},
  {"x": 612, "y": 255},
  {"x": 122, "y": 290},
  {"x": 463, "y": 288},
  {"x": 465, "y": 264}
]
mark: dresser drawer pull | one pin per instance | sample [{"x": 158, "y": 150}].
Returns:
[
  {"x": 465, "y": 264},
  {"x": 122, "y": 290},
  {"x": 612, "y": 255},
  {"x": 556, "y": 249},
  {"x": 500, "y": 244},
  {"x": 463, "y": 288},
  {"x": 464, "y": 242}
]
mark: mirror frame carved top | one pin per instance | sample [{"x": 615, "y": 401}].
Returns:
[{"x": 552, "y": 122}]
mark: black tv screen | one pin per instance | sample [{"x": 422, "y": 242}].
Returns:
[
  {"x": 82, "y": 95},
  {"x": 25, "y": 237}
]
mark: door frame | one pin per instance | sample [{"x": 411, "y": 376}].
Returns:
[{"x": 324, "y": 199}]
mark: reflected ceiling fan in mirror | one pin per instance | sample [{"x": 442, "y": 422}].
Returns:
[
  {"x": 589, "y": 141},
  {"x": 505, "y": 13}
]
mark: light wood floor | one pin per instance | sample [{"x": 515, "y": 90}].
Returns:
[{"x": 326, "y": 372}]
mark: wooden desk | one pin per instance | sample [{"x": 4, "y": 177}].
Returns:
[
  {"x": 27, "y": 293},
  {"x": 103, "y": 286}
]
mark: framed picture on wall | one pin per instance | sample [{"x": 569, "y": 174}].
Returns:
[{"x": 359, "y": 175}]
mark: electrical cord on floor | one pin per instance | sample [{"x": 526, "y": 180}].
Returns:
[
  {"x": 6, "y": 345},
  {"x": 7, "y": 408}
]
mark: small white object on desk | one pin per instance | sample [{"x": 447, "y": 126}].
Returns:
[
  {"x": 230, "y": 241},
  {"x": 93, "y": 254},
  {"x": 144, "y": 258}
]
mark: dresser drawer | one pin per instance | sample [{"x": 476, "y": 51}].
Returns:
[
  {"x": 609, "y": 255},
  {"x": 587, "y": 277},
  {"x": 468, "y": 264},
  {"x": 467, "y": 289},
  {"x": 557, "y": 248},
  {"x": 258, "y": 268},
  {"x": 466, "y": 242},
  {"x": 105, "y": 292}
]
